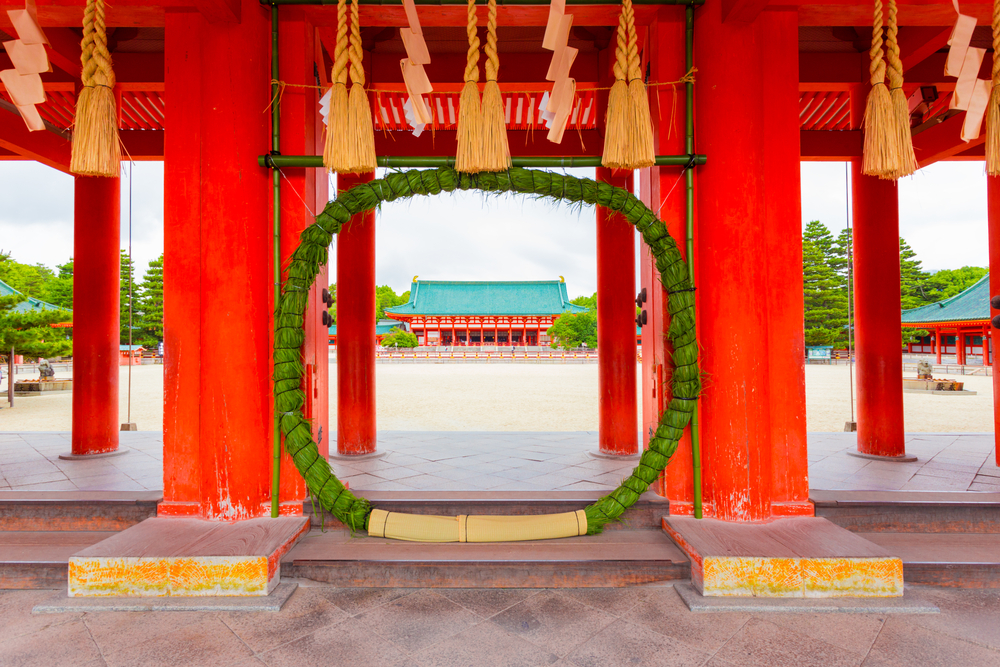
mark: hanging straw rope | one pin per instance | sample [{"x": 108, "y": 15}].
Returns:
[
  {"x": 907, "y": 161},
  {"x": 361, "y": 133},
  {"x": 95, "y": 150},
  {"x": 641, "y": 125},
  {"x": 993, "y": 110},
  {"x": 879, "y": 154},
  {"x": 616, "y": 124},
  {"x": 338, "y": 131},
  {"x": 496, "y": 152},
  {"x": 468, "y": 155}
]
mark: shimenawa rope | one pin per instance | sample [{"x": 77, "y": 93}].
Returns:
[
  {"x": 495, "y": 151},
  {"x": 95, "y": 149},
  {"x": 361, "y": 153},
  {"x": 468, "y": 156},
  {"x": 993, "y": 110},
  {"x": 338, "y": 132}
]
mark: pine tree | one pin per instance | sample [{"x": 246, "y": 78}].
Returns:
[
  {"x": 127, "y": 295},
  {"x": 150, "y": 303},
  {"x": 825, "y": 289},
  {"x": 914, "y": 289},
  {"x": 58, "y": 290}
]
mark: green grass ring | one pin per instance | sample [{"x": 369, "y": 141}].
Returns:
[{"x": 311, "y": 254}]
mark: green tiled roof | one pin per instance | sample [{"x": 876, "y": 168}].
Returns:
[
  {"x": 382, "y": 328},
  {"x": 971, "y": 305},
  {"x": 30, "y": 303},
  {"x": 511, "y": 298}
]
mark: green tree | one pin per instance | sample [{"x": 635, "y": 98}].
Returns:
[
  {"x": 58, "y": 290},
  {"x": 825, "y": 288},
  {"x": 400, "y": 338},
  {"x": 150, "y": 304},
  {"x": 127, "y": 295},
  {"x": 29, "y": 279},
  {"x": 28, "y": 332},
  {"x": 947, "y": 283},
  {"x": 573, "y": 330},
  {"x": 914, "y": 287},
  {"x": 386, "y": 297}
]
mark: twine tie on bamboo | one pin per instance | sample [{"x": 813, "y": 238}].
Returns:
[
  {"x": 495, "y": 151},
  {"x": 361, "y": 132},
  {"x": 468, "y": 154},
  {"x": 95, "y": 150},
  {"x": 628, "y": 139},
  {"x": 336, "y": 148},
  {"x": 993, "y": 110}
]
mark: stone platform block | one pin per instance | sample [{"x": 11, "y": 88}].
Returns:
[
  {"x": 803, "y": 557},
  {"x": 162, "y": 557}
]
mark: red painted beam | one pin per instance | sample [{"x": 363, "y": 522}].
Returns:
[
  {"x": 742, "y": 11},
  {"x": 916, "y": 44},
  {"x": 43, "y": 146},
  {"x": 830, "y": 145},
  {"x": 220, "y": 11},
  {"x": 142, "y": 145},
  {"x": 64, "y": 50},
  {"x": 455, "y": 15},
  {"x": 522, "y": 143},
  {"x": 942, "y": 141}
]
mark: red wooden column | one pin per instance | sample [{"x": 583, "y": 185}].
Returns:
[
  {"x": 666, "y": 64},
  {"x": 96, "y": 336},
  {"x": 937, "y": 344},
  {"x": 993, "y": 217},
  {"x": 616, "y": 325},
  {"x": 877, "y": 316},
  {"x": 218, "y": 407},
  {"x": 732, "y": 275},
  {"x": 356, "y": 329},
  {"x": 782, "y": 238}
]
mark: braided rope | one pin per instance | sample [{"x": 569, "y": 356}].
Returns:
[
  {"x": 632, "y": 54},
  {"x": 472, "y": 59},
  {"x": 340, "y": 56},
  {"x": 621, "y": 50},
  {"x": 895, "y": 69},
  {"x": 356, "y": 55},
  {"x": 993, "y": 110},
  {"x": 312, "y": 253},
  {"x": 877, "y": 65},
  {"x": 95, "y": 57},
  {"x": 492, "y": 59}
]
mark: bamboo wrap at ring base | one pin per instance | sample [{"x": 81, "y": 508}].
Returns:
[
  {"x": 312, "y": 252},
  {"x": 476, "y": 528}
]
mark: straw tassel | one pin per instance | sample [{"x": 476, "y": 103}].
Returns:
[
  {"x": 616, "y": 124},
  {"x": 496, "y": 152},
  {"x": 879, "y": 158},
  {"x": 641, "y": 153},
  {"x": 338, "y": 131},
  {"x": 993, "y": 110},
  {"x": 361, "y": 153},
  {"x": 95, "y": 150},
  {"x": 907, "y": 160},
  {"x": 468, "y": 155}
]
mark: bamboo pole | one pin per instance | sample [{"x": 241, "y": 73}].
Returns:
[
  {"x": 276, "y": 176},
  {"x": 433, "y": 161}
]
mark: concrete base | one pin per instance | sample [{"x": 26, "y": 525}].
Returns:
[
  {"x": 334, "y": 456},
  {"x": 803, "y": 557},
  {"x": 61, "y": 604},
  {"x": 88, "y": 457},
  {"x": 908, "y": 604},
  {"x": 598, "y": 454},
  {"x": 178, "y": 557},
  {"x": 902, "y": 458}
]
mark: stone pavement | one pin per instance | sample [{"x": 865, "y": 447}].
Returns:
[
  {"x": 645, "y": 626},
  {"x": 504, "y": 461}
]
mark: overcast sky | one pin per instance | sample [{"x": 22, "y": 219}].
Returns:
[{"x": 471, "y": 237}]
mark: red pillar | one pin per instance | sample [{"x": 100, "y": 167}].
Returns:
[
  {"x": 960, "y": 347},
  {"x": 616, "y": 325},
  {"x": 937, "y": 344},
  {"x": 993, "y": 216},
  {"x": 218, "y": 407},
  {"x": 96, "y": 333},
  {"x": 877, "y": 315},
  {"x": 356, "y": 329}
]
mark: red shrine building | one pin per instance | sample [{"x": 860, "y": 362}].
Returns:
[
  {"x": 959, "y": 325},
  {"x": 469, "y": 313},
  {"x": 740, "y": 92}
]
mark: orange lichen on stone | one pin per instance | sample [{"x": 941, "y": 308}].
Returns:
[{"x": 165, "y": 577}]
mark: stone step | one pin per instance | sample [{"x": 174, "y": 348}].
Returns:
[
  {"x": 957, "y": 560},
  {"x": 644, "y": 514},
  {"x": 40, "y": 559},
  {"x": 910, "y": 511},
  {"x": 75, "y": 510},
  {"x": 623, "y": 557}
]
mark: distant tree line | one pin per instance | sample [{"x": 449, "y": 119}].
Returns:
[
  {"x": 56, "y": 287},
  {"x": 572, "y": 330},
  {"x": 825, "y": 274}
]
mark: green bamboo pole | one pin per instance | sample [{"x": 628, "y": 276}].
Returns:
[
  {"x": 276, "y": 175},
  {"x": 463, "y": 3},
  {"x": 689, "y": 182},
  {"x": 418, "y": 162}
]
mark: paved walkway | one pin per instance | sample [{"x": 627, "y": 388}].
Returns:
[
  {"x": 504, "y": 461},
  {"x": 644, "y": 626}
]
